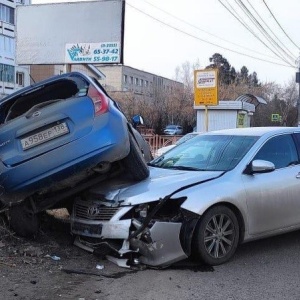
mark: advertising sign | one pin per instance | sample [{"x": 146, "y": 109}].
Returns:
[
  {"x": 206, "y": 87},
  {"x": 73, "y": 32},
  {"x": 93, "y": 53},
  {"x": 241, "y": 118}
]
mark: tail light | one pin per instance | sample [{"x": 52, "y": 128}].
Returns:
[{"x": 99, "y": 99}]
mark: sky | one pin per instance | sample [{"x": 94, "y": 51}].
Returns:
[{"x": 161, "y": 35}]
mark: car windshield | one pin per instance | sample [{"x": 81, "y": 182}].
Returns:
[
  {"x": 186, "y": 138},
  {"x": 207, "y": 153}
]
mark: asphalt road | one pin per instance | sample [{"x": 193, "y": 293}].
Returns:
[{"x": 266, "y": 269}]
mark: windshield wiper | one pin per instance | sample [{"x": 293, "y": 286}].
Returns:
[
  {"x": 185, "y": 168},
  {"x": 153, "y": 165},
  {"x": 156, "y": 161}
]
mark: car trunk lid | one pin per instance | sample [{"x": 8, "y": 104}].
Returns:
[{"x": 44, "y": 128}]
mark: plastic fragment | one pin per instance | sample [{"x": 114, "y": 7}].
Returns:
[
  {"x": 53, "y": 257},
  {"x": 99, "y": 267}
]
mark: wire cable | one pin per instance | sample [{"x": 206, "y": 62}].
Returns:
[
  {"x": 277, "y": 47},
  {"x": 279, "y": 24},
  {"x": 262, "y": 20},
  {"x": 198, "y": 28},
  {"x": 249, "y": 29},
  {"x": 210, "y": 43}
]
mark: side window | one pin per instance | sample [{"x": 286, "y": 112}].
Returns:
[
  {"x": 280, "y": 150},
  {"x": 297, "y": 139}
]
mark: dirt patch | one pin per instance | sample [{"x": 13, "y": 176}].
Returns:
[{"x": 50, "y": 266}]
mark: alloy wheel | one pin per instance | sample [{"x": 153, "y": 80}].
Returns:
[{"x": 219, "y": 235}]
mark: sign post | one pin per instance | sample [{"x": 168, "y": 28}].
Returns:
[{"x": 206, "y": 89}]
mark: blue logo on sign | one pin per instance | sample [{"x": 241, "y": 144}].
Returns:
[{"x": 77, "y": 50}]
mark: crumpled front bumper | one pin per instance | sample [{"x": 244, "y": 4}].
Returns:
[{"x": 161, "y": 249}]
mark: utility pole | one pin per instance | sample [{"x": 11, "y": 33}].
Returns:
[{"x": 298, "y": 99}]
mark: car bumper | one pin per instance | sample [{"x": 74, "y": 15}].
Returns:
[
  {"x": 157, "y": 246},
  {"x": 162, "y": 249}
]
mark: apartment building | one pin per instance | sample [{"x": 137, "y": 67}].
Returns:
[
  {"x": 121, "y": 78},
  {"x": 12, "y": 77},
  {"x": 116, "y": 79}
]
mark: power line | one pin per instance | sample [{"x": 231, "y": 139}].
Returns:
[
  {"x": 262, "y": 30},
  {"x": 196, "y": 27},
  {"x": 236, "y": 15},
  {"x": 250, "y": 30},
  {"x": 268, "y": 26},
  {"x": 188, "y": 34},
  {"x": 279, "y": 24}
]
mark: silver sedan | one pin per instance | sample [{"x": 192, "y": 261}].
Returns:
[{"x": 202, "y": 199}]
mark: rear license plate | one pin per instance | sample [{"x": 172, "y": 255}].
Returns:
[{"x": 44, "y": 136}]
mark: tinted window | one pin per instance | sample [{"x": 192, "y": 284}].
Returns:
[{"x": 280, "y": 150}]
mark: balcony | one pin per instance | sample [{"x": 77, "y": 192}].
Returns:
[{"x": 7, "y": 29}]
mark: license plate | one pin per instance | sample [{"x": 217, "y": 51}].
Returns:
[
  {"x": 87, "y": 228},
  {"x": 44, "y": 136}
]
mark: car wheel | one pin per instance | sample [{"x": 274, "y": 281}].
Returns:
[
  {"x": 217, "y": 235},
  {"x": 23, "y": 220},
  {"x": 135, "y": 162}
]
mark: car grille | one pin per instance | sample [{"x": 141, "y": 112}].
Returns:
[{"x": 92, "y": 211}]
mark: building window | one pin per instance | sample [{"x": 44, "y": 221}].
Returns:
[
  {"x": 141, "y": 82},
  {"x": 125, "y": 79},
  {"x": 146, "y": 83},
  {"x": 7, "y": 14},
  {"x": 131, "y": 80},
  {"x": 20, "y": 78},
  {"x": 136, "y": 81},
  {"x": 7, "y": 73},
  {"x": 7, "y": 44}
]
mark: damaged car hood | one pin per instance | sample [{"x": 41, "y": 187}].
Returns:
[{"x": 160, "y": 183}]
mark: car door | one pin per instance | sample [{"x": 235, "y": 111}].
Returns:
[{"x": 273, "y": 199}]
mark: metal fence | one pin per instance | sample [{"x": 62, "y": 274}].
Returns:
[{"x": 157, "y": 141}]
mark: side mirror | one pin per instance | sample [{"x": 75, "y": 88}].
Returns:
[
  {"x": 137, "y": 120},
  {"x": 260, "y": 166}
]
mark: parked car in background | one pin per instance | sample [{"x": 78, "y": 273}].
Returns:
[
  {"x": 173, "y": 130},
  {"x": 183, "y": 139},
  {"x": 203, "y": 198},
  {"x": 62, "y": 134}
]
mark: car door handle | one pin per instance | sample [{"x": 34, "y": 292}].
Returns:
[{"x": 298, "y": 176}]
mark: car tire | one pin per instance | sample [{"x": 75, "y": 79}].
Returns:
[
  {"x": 216, "y": 235},
  {"x": 134, "y": 162},
  {"x": 23, "y": 221}
]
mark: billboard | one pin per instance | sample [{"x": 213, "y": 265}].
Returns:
[
  {"x": 74, "y": 32},
  {"x": 206, "y": 87}
]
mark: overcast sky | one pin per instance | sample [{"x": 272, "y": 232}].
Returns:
[{"x": 161, "y": 35}]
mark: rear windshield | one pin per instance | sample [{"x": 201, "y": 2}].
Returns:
[{"x": 48, "y": 93}]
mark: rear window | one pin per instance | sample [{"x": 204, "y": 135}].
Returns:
[{"x": 48, "y": 93}]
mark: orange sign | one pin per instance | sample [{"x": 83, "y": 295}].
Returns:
[{"x": 206, "y": 87}]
